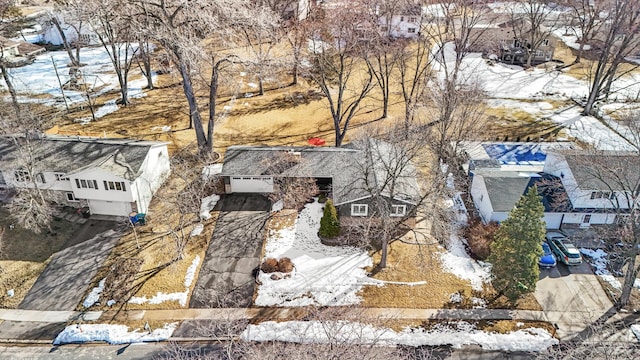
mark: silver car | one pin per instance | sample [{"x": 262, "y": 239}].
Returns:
[{"x": 566, "y": 252}]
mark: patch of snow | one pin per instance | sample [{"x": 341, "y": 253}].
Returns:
[
  {"x": 180, "y": 297},
  {"x": 112, "y": 334},
  {"x": 635, "y": 329},
  {"x": 164, "y": 128},
  {"x": 600, "y": 261},
  {"x": 242, "y": 73},
  {"x": 323, "y": 275},
  {"x": 210, "y": 171},
  {"x": 94, "y": 295},
  {"x": 252, "y": 85},
  {"x": 207, "y": 205},
  {"x": 248, "y": 95},
  {"x": 160, "y": 297},
  {"x": 534, "y": 107},
  {"x": 590, "y": 130},
  {"x": 197, "y": 229},
  {"x": 111, "y": 302},
  {"x": 10, "y": 293},
  {"x": 478, "y": 303},
  {"x": 191, "y": 271},
  {"x": 277, "y": 206},
  {"x": 570, "y": 36},
  {"x": 458, "y": 262},
  {"x": 455, "y": 298},
  {"x": 530, "y": 339}
]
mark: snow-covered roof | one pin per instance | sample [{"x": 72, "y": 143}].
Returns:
[{"x": 121, "y": 157}]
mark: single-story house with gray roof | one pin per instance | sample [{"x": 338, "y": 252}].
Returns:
[
  {"x": 110, "y": 176},
  {"x": 348, "y": 172}
]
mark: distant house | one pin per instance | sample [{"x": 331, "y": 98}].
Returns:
[
  {"x": 499, "y": 40},
  {"x": 75, "y": 33},
  {"x": 17, "y": 53},
  {"x": 570, "y": 193},
  {"x": 404, "y": 23},
  {"x": 336, "y": 170},
  {"x": 109, "y": 176}
]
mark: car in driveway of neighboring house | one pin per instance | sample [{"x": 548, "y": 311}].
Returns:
[
  {"x": 563, "y": 249},
  {"x": 547, "y": 260}
]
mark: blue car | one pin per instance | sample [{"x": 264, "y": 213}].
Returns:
[{"x": 547, "y": 260}]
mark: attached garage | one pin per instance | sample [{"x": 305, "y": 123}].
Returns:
[
  {"x": 251, "y": 184},
  {"x": 115, "y": 208},
  {"x": 553, "y": 220}
]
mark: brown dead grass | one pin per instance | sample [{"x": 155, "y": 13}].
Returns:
[
  {"x": 413, "y": 263},
  {"x": 154, "y": 246},
  {"x": 19, "y": 276}
]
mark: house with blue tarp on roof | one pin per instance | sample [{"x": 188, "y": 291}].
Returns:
[{"x": 500, "y": 173}]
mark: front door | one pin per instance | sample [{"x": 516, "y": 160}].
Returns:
[{"x": 586, "y": 220}]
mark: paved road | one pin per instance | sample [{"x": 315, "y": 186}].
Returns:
[
  {"x": 227, "y": 274},
  {"x": 571, "y": 297}
]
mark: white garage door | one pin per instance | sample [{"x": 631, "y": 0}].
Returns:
[
  {"x": 117, "y": 208},
  {"x": 553, "y": 220},
  {"x": 252, "y": 184}
]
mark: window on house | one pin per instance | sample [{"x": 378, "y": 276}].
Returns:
[
  {"x": 398, "y": 210},
  {"x": 401, "y": 18},
  {"x": 411, "y": 30},
  {"x": 22, "y": 175},
  {"x": 359, "y": 209},
  {"x": 71, "y": 197},
  {"x": 412, "y": 19},
  {"x": 586, "y": 219},
  {"x": 86, "y": 184},
  {"x": 545, "y": 42},
  {"x": 539, "y": 53},
  {"x": 60, "y": 177},
  {"x": 40, "y": 178},
  {"x": 114, "y": 185},
  {"x": 602, "y": 195},
  {"x": 517, "y": 43}
]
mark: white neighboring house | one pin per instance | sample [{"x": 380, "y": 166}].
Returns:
[
  {"x": 405, "y": 24},
  {"x": 571, "y": 194},
  {"x": 595, "y": 198},
  {"x": 74, "y": 32},
  {"x": 110, "y": 176}
]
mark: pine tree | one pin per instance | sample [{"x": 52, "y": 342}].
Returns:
[
  {"x": 518, "y": 246},
  {"x": 329, "y": 224}
]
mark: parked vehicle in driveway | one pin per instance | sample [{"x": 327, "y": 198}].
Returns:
[
  {"x": 563, "y": 249},
  {"x": 547, "y": 260}
]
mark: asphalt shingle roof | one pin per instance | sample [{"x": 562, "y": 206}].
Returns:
[{"x": 72, "y": 155}]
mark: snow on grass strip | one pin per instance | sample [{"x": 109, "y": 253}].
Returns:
[
  {"x": 306, "y": 332},
  {"x": 180, "y": 297},
  {"x": 635, "y": 329},
  {"x": 600, "y": 261},
  {"x": 457, "y": 262},
  {"x": 112, "y": 334},
  {"x": 323, "y": 275},
  {"x": 94, "y": 295}
]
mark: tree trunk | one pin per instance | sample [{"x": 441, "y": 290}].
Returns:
[
  {"x": 383, "y": 253},
  {"x": 65, "y": 42},
  {"x": 194, "y": 112},
  {"x": 146, "y": 63},
  {"x": 12, "y": 90},
  {"x": 629, "y": 280},
  {"x": 213, "y": 95}
]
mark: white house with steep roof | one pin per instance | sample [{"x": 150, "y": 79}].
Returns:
[{"x": 109, "y": 176}]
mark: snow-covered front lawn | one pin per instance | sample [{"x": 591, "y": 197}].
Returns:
[
  {"x": 323, "y": 275},
  {"x": 529, "y": 339}
]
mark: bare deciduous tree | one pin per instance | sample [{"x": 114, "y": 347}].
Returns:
[
  {"x": 586, "y": 21},
  {"x": 8, "y": 11},
  {"x": 619, "y": 37},
  {"x": 294, "y": 189},
  {"x": 181, "y": 27},
  {"x": 335, "y": 54}
]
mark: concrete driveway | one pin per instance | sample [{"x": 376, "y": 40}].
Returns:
[
  {"x": 227, "y": 275},
  {"x": 571, "y": 297},
  {"x": 70, "y": 272}
]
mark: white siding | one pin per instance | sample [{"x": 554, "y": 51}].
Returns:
[
  {"x": 252, "y": 184},
  {"x": 553, "y": 220},
  {"x": 101, "y": 194},
  {"x": 154, "y": 171},
  {"x": 113, "y": 208},
  {"x": 480, "y": 198},
  {"x": 399, "y": 25}
]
